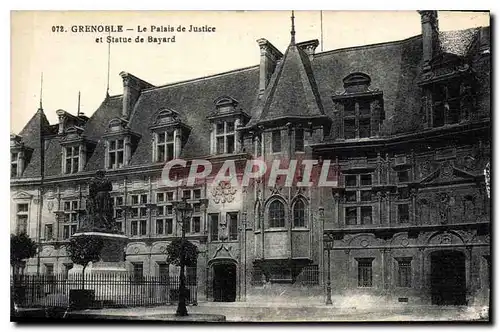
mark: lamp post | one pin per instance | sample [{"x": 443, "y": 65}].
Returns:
[
  {"x": 328, "y": 246},
  {"x": 184, "y": 212}
]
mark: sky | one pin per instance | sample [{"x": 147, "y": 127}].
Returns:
[{"x": 73, "y": 62}]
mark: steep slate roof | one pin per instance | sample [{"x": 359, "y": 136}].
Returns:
[
  {"x": 31, "y": 135},
  {"x": 195, "y": 101},
  {"x": 292, "y": 90},
  {"x": 298, "y": 87}
]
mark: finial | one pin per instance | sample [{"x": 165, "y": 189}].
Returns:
[
  {"x": 109, "y": 65},
  {"x": 78, "y": 113},
  {"x": 293, "y": 29},
  {"x": 41, "y": 91}
]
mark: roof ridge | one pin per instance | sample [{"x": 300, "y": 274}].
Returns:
[{"x": 191, "y": 80}]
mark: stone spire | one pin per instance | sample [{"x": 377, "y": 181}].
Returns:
[{"x": 292, "y": 32}]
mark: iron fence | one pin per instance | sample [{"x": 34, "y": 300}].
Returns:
[{"x": 109, "y": 290}]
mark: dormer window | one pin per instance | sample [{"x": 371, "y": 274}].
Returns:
[
  {"x": 170, "y": 132},
  {"x": 120, "y": 143},
  {"x": 227, "y": 117},
  {"x": 448, "y": 91},
  {"x": 360, "y": 109},
  {"x": 116, "y": 153},
  {"x": 19, "y": 156},
  {"x": 75, "y": 148}
]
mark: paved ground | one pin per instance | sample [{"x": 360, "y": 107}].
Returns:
[{"x": 258, "y": 312}]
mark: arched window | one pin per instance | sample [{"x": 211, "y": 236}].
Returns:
[
  {"x": 257, "y": 215},
  {"x": 299, "y": 214},
  {"x": 276, "y": 214}
]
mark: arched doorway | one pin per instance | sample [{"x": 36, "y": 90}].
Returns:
[
  {"x": 224, "y": 282},
  {"x": 448, "y": 284}
]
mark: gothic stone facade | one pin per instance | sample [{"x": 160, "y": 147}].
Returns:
[{"x": 405, "y": 124}]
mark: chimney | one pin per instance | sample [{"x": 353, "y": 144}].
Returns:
[
  {"x": 309, "y": 47},
  {"x": 430, "y": 35},
  {"x": 269, "y": 56},
  {"x": 132, "y": 87},
  {"x": 484, "y": 40}
]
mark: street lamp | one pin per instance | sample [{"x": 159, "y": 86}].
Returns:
[
  {"x": 328, "y": 246},
  {"x": 184, "y": 212}
]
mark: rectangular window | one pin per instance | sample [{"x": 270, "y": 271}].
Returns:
[
  {"x": 169, "y": 225},
  {"x": 66, "y": 232},
  {"x": 160, "y": 210},
  {"x": 233, "y": 226},
  {"x": 72, "y": 159},
  {"x": 163, "y": 271},
  {"x": 214, "y": 227},
  {"x": 403, "y": 213},
  {"x": 49, "y": 232},
  {"x": 186, "y": 194},
  {"x": 403, "y": 176},
  {"x": 134, "y": 228},
  {"x": 366, "y": 215},
  {"x": 365, "y": 272},
  {"x": 364, "y": 107},
  {"x": 13, "y": 164},
  {"x": 350, "y": 196},
  {"x": 196, "y": 224},
  {"x": 225, "y": 141},
  {"x": 115, "y": 153},
  {"x": 22, "y": 224},
  {"x": 160, "y": 197},
  {"x": 366, "y": 179},
  {"x": 159, "y": 227},
  {"x": 196, "y": 207},
  {"x": 143, "y": 228},
  {"x": 119, "y": 226},
  {"x": 169, "y": 210},
  {"x": 138, "y": 272},
  {"x": 276, "y": 141},
  {"x": 49, "y": 269},
  {"x": 220, "y": 145},
  {"x": 119, "y": 201},
  {"x": 299, "y": 139},
  {"x": 351, "y": 215},
  {"x": 404, "y": 272},
  {"x": 349, "y": 108},
  {"x": 349, "y": 128},
  {"x": 351, "y": 181},
  {"x": 364, "y": 128},
  {"x": 197, "y": 193},
  {"x": 134, "y": 212},
  {"x": 187, "y": 224},
  {"x": 170, "y": 196},
  {"x": 22, "y": 207},
  {"x": 165, "y": 146},
  {"x": 230, "y": 143},
  {"x": 143, "y": 212},
  {"x": 366, "y": 196},
  {"x": 135, "y": 199},
  {"x": 144, "y": 199}
]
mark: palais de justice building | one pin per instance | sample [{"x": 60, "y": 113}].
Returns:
[{"x": 407, "y": 125}]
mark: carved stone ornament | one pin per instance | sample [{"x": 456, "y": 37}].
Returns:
[{"x": 223, "y": 193}]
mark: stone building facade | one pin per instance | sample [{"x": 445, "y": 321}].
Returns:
[{"x": 405, "y": 126}]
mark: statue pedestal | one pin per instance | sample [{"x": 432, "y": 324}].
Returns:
[{"x": 107, "y": 276}]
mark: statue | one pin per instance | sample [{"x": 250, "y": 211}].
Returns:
[{"x": 99, "y": 214}]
